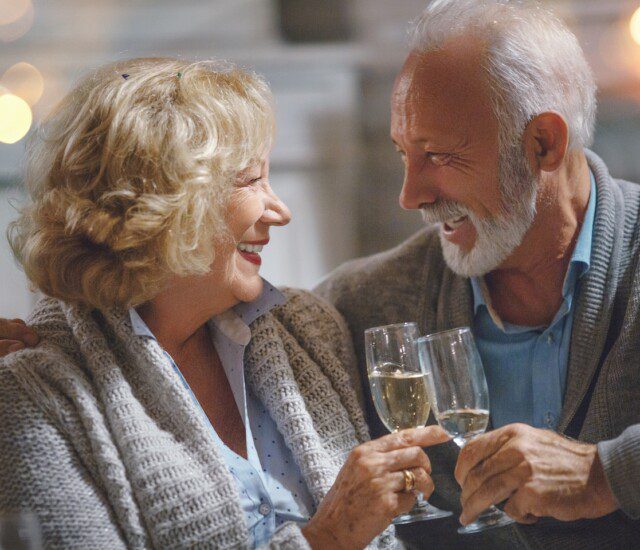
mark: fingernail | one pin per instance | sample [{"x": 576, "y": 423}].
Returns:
[
  {"x": 463, "y": 519},
  {"x": 15, "y": 347}
]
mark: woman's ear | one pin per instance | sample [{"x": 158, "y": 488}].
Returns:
[{"x": 546, "y": 139}]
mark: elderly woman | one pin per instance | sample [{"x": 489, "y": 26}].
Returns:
[{"x": 175, "y": 398}]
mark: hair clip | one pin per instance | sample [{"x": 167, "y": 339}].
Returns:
[
  {"x": 179, "y": 75},
  {"x": 125, "y": 76}
]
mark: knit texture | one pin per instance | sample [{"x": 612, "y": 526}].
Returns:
[
  {"x": 99, "y": 437},
  {"x": 412, "y": 283}
]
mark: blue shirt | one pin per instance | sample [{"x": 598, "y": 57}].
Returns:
[
  {"x": 270, "y": 484},
  {"x": 526, "y": 367}
]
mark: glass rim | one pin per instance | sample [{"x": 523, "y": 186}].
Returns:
[
  {"x": 392, "y": 326},
  {"x": 434, "y": 335}
]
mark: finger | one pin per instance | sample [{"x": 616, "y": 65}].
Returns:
[
  {"x": 420, "y": 437},
  {"x": 410, "y": 457},
  {"x": 516, "y": 509},
  {"x": 482, "y": 447},
  {"x": 507, "y": 457},
  {"x": 423, "y": 482},
  {"x": 21, "y": 321},
  {"x": 493, "y": 491},
  {"x": 12, "y": 330},
  {"x": 406, "y": 501},
  {"x": 9, "y": 346}
]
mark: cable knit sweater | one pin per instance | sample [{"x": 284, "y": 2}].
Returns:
[{"x": 99, "y": 437}]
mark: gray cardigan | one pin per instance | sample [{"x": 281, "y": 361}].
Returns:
[
  {"x": 99, "y": 437},
  {"x": 602, "y": 400}
]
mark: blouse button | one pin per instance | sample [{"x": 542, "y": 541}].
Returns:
[{"x": 264, "y": 509}]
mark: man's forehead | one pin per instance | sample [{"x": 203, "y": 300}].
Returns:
[
  {"x": 442, "y": 87},
  {"x": 441, "y": 73}
]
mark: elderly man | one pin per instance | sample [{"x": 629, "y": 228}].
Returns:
[{"x": 532, "y": 244}]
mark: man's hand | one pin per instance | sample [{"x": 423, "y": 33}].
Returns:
[
  {"x": 540, "y": 472},
  {"x": 15, "y": 335}
]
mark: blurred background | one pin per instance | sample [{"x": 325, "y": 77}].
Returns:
[{"x": 331, "y": 64}]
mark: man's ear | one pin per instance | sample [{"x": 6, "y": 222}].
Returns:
[{"x": 546, "y": 139}]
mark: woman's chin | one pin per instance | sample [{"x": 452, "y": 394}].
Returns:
[{"x": 248, "y": 289}]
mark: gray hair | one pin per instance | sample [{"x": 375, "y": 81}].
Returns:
[{"x": 533, "y": 61}]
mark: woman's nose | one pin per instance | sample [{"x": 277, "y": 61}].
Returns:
[{"x": 276, "y": 212}]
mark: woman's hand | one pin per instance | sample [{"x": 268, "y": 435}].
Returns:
[
  {"x": 15, "y": 335},
  {"x": 369, "y": 490}
]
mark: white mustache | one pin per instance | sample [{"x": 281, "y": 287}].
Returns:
[{"x": 442, "y": 211}]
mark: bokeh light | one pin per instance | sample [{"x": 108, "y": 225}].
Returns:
[
  {"x": 12, "y": 10},
  {"x": 25, "y": 81},
  {"x": 634, "y": 26},
  {"x": 15, "y": 118},
  {"x": 15, "y": 29}
]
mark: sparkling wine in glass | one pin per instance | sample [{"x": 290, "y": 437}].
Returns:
[
  {"x": 460, "y": 399},
  {"x": 399, "y": 392}
]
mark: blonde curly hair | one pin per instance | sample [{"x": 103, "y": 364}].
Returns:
[{"x": 128, "y": 178}]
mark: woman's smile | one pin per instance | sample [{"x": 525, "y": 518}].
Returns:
[{"x": 250, "y": 251}]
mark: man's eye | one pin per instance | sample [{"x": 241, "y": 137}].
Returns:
[{"x": 439, "y": 159}]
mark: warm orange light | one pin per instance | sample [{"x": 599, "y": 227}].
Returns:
[
  {"x": 634, "y": 26},
  {"x": 25, "y": 81},
  {"x": 15, "y": 118},
  {"x": 15, "y": 29},
  {"x": 12, "y": 10}
]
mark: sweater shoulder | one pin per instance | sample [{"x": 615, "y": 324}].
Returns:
[
  {"x": 314, "y": 323},
  {"x": 403, "y": 260},
  {"x": 387, "y": 281}
]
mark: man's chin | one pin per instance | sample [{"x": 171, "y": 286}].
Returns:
[{"x": 477, "y": 262}]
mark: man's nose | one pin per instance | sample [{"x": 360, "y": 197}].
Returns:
[{"x": 417, "y": 190}]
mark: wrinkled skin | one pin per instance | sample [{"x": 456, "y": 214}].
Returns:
[{"x": 539, "y": 473}]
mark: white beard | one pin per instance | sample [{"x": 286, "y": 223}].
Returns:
[{"x": 499, "y": 236}]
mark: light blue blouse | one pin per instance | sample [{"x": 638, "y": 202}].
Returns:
[
  {"x": 269, "y": 481},
  {"x": 526, "y": 367}
]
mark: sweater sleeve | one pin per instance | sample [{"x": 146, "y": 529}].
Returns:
[
  {"x": 40, "y": 472},
  {"x": 620, "y": 459},
  {"x": 287, "y": 537}
]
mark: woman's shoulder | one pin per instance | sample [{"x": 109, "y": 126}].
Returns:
[
  {"x": 321, "y": 331},
  {"x": 305, "y": 310}
]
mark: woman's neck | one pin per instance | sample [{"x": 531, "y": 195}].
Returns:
[{"x": 179, "y": 312}]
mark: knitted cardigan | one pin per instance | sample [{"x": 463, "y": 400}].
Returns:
[
  {"x": 602, "y": 401},
  {"x": 99, "y": 437}
]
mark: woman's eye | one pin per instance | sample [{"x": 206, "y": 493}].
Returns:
[
  {"x": 250, "y": 181},
  {"x": 439, "y": 159}
]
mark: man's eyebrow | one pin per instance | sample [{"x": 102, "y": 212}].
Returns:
[{"x": 420, "y": 142}]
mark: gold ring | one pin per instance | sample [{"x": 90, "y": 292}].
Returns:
[{"x": 409, "y": 480}]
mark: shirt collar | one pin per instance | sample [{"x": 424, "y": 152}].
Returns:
[
  {"x": 233, "y": 323},
  {"x": 582, "y": 251},
  {"x": 578, "y": 265}
]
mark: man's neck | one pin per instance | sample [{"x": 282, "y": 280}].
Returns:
[{"x": 527, "y": 288}]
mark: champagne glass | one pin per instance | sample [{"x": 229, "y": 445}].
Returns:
[
  {"x": 460, "y": 399},
  {"x": 399, "y": 393}
]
